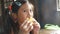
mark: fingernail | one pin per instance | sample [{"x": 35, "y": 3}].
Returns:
[
  {"x": 32, "y": 27},
  {"x": 31, "y": 24},
  {"x": 25, "y": 27},
  {"x": 28, "y": 21}
]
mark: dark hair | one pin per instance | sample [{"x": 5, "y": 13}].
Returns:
[{"x": 17, "y": 4}]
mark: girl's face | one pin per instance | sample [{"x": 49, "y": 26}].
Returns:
[{"x": 25, "y": 11}]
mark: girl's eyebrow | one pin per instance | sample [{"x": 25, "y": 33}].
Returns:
[{"x": 27, "y": 9}]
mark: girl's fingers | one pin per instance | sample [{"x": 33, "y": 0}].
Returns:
[
  {"x": 30, "y": 27},
  {"x": 23, "y": 23},
  {"x": 26, "y": 26},
  {"x": 36, "y": 24}
]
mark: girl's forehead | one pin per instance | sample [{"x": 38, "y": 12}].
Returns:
[{"x": 26, "y": 6}]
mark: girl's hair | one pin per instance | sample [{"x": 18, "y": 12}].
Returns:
[{"x": 17, "y": 4}]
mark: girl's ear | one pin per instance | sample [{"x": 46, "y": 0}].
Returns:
[{"x": 14, "y": 16}]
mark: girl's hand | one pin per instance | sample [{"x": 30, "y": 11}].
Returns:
[
  {"x": 36, "y": 27},
  {"x": 26, "y": 27}
]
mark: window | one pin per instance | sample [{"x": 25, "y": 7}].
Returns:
[{"x": 58, "y": 5}]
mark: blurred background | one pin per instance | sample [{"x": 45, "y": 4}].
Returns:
[{"x": 46, "y": 12}]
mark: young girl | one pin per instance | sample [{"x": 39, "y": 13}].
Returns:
[{"x": 18, "y": 22}]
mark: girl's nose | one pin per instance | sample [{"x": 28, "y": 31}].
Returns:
[{"x": 29, "y": 14}]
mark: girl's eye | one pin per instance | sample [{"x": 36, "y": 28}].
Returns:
[
  {"x": 30, "y": 10},
  {"x": 24, "y": 11}
]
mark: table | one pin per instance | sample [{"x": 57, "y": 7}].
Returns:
[{"x": 46, "y": 31}]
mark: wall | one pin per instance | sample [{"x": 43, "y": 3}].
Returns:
[{"x": 48, "y": 12}]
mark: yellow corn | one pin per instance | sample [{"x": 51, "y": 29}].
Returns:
[{"x": 30, "y": 19}]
